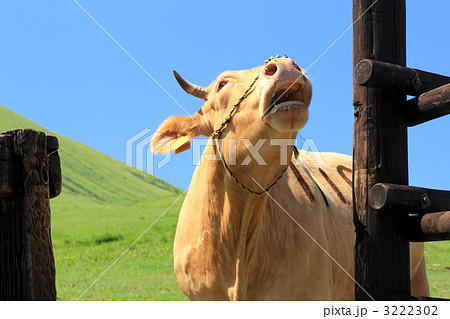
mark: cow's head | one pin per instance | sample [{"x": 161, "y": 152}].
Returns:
[{"x": 276, "y": 106}]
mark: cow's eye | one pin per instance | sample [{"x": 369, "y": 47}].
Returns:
[{"x": 221, "y": 85}]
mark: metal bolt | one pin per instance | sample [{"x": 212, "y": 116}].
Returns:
[
  {"x": 416, "y": 82},
  {"x": 425, "y": 201}
]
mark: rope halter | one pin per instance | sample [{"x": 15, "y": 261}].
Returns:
[{"x": 217, "y": 133}]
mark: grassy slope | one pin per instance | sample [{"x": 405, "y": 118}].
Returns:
[
  {"x": 92, "y": 175},
  {"x": 105, "y": 206}
]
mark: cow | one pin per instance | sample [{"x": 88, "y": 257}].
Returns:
[{"x": 258, "y": 223}]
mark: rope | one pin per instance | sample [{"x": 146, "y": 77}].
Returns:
[
  {"x": 227, "y": 168},
  {"x": 218, "y": 133},
  {"x": 227, "y": 117}
]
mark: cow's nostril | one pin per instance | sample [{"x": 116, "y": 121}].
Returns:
[
  {"x": 270, "y": 69},
  {"x": 297, "y": 67}
]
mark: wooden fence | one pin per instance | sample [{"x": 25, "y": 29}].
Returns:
[
  {"x": 388, "y": 214},
  {"x": 30, "y": 174}
]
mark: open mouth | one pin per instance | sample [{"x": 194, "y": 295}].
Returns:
[{"x": 285, "y": 98}]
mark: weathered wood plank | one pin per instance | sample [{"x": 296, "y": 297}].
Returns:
[
  {"x": 55, "y": 176},
  {"x": 379, "y": 153},
  {"x": 429, "y": 227},
  {"x": 408, "y": 199},
  {"x": 6, "y": 169},
  {"x": 397, "y": 78},
  {"x": 428, "y": 106},
  {"x": 27, "y": 268}
]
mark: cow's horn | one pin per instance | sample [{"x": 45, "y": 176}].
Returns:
[{"x": 192, "y": 89}]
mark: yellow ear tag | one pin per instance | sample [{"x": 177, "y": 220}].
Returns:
[{"x": 182, "y": 144}]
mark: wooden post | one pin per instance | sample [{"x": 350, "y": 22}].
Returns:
[
  {"x": 408, "y": 199},
  {"x": 429, "y": 227},
  {"x": 396, "y": 78},
  {"x": 27, "y": 267},
  {"x": 428, "y": 106},
  {"x": 379, "y": 153}
]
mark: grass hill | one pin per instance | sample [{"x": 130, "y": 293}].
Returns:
[
  {"x": 107, "y": 208},
  {"x": 90, "y": 174}
]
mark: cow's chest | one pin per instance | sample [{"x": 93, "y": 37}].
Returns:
[{"x": 263, "y": 272}]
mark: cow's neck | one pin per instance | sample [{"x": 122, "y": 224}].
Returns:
[
  {"x": 244, "y": 213},
  {"x": 238, "y": 223},
  {"x": 255, "y": 163}
]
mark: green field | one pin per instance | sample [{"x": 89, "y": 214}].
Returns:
[
  {"x": 437, "y": 256},
  {"x": 89, "y": 237},
  {"x": 105, "y": 207}
]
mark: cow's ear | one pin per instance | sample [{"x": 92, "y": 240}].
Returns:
[{"x": 175, "y": 134}]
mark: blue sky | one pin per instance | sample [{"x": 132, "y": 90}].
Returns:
[{"x": 61, "y": 70}]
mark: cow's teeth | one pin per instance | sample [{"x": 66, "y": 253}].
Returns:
[
  {"x": 274, "y": 109},
  {"x": 286, "y": 106}
]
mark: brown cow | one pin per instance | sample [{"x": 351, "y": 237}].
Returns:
[{"x": 263, "y": 227}]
